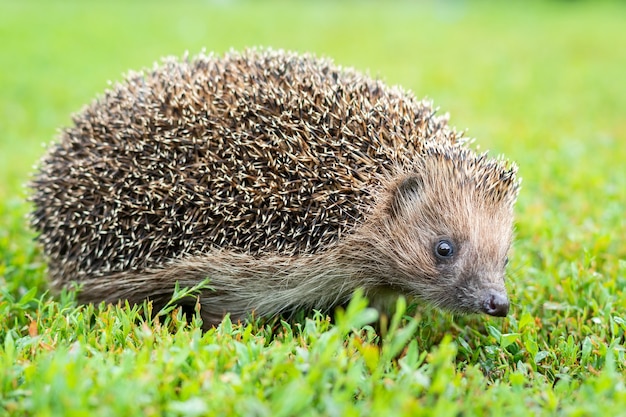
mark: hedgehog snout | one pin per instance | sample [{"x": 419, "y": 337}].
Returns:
[{"x": 495, "y": 303}]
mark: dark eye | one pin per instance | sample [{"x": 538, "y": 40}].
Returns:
[
  {"x": 444, "y": 249},
  {"x": 506, "y": 261}
]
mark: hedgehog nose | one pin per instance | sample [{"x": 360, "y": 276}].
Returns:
[{"x": 496, "y": 304}]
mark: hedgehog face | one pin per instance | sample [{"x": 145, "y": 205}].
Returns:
[
  {"x": 470, "y": 259},
  {"x": 448, "y": 237}
]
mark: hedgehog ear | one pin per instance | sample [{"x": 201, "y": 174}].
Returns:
[
  {"x": 407, "y": 192},
  {"x": 410, "y": 186}
]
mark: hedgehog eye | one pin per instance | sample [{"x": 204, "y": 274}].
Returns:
[
  {"x": 506, "y": 261},
  {"x": 444, "y": 249}
]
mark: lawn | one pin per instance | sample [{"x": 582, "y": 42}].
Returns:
[{"x": 540, "y": 82}]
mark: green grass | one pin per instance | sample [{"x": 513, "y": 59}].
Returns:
[{"x": 542, "y": 83}]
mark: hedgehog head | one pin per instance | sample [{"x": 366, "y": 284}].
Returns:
[{"x": 448, "y": 221}]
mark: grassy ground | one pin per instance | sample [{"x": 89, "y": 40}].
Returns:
[{"x": 540, "y": 82}]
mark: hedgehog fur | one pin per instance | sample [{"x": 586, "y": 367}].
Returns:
[{"x": 284, "y": 179}]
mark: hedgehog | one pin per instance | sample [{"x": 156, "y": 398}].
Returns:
[{"x": 286, "y": 181}]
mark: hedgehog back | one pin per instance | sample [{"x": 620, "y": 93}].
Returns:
[{"x": 259, "y": 152}]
